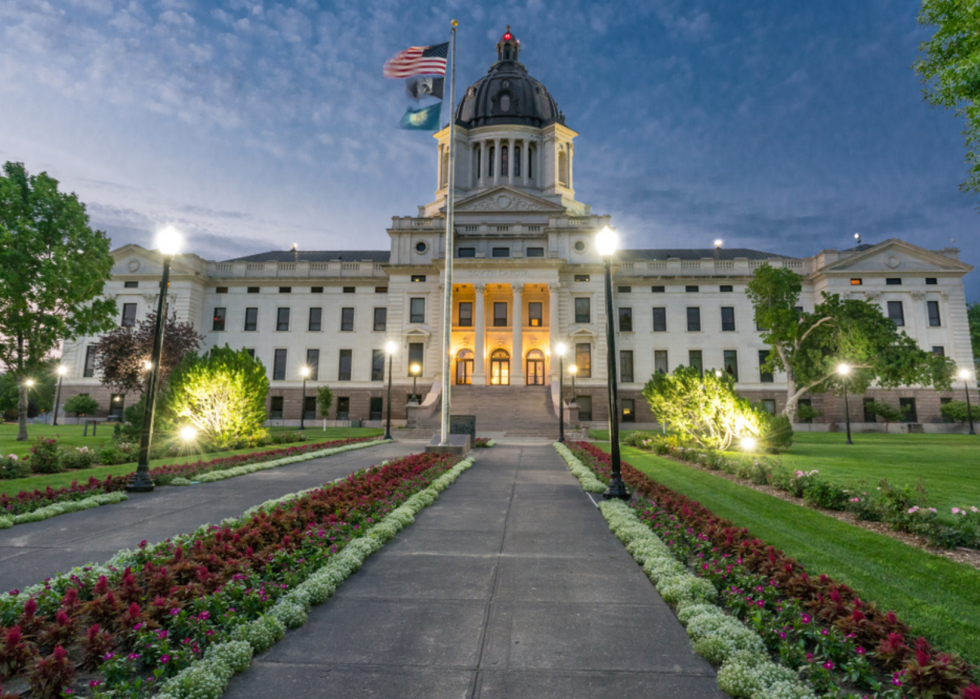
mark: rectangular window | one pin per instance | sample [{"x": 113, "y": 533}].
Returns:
[
  {"x": 376, "y": 408},
  {"x": 728, "y": 319},
  {"x": 583, "y": 310},
  {"x": 347, "y": 320},
  {"x": 117, "y": 403},
  {"x": 466, "y": 314},
  {"x": 856, "y": 281},
  {"x": 896, "y": 313},
  {"x": 416, "y": 311},
  {"x": 658, "y": 289},
  {"x": 725, "y": 288},
  {"x": 377, "y": 365},
  {"x": 221, "y": 290},
  {"x": 942, "y": 402},
  {"x": 695, "y": 360},
  {"x": 313, "y": 363},
  {"x": 285, "y": 289},
  {"x": 798, "y": 310},
  {"x": 129, "y": 315},
  {"x": 808, "y": 403},
  {"x": 582, "y": 277},
  {"x": 769, "y": 405},
  {"x": 343, "y": 408},
  {"x": 691, "y": 289},
  {"x": 584, "y": 408},
  {"x": 659, "y": 319},
  {"x": 416, "y": 353},
  {"x": 693, "y": 319},
  {"x": 869, "y": 413},
  {"x": 309, "y": 407},
  {"x": 418, "y": 277},
  {"x": 279, "y": 366},
  {"x": 89, "y": 371},
  {"x": 275, "y": 411},
  {"x": 731, "y": 363},
  {"x": 218, "y": 321},
  {"x": 381, "y": 290},
  {"x": 316, "y": 319},
  {"x": 349, "y": 289},
  {"x": 764, "y": 376},
  {"x": 624, "y": 289},
  {"x": 893, "y": 281},
  {"x": 534, "y": 314},
  {"x": 380, "y": 319},
  {"x": 251, "y": 319},
  {"x": 501, "y": 252},
  {"x": 934, "y": 320},
  {"x": 134, "y": 285},
  {"x": 660, "y": 365},
  {"x": 253, "y": 289},
  {"x": 282, "y": 320},
  {"x": 583, "y": 359},
  {"x": 626, "y": 366},
  {"x": 939, "y": 350},
  {"x": 251, "y": 352},
  {"x": 629, "y": 411},
  {"x": 343, "y": 371},
  {"x": 500, "y": 314},
  {"x": 625, "y": 320},
  {"x": 535, "y": 252},
  {"x": 907, "y": 406},
  {"x": 466, "y": 252},
  {"x": 932, "y": 281},
  {"x": 316, "y": 289}
]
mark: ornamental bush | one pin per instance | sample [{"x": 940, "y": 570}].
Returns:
[
  {"x": 46, "y": 456},
  {"x": 79, "y": 458},
  {"x": 83, "y": 404},
  {"x": 12, "y": 466},
  {"x": 956, "y": 411}
]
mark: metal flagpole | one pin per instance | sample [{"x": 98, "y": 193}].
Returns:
[{"x": 447, "y": 310}]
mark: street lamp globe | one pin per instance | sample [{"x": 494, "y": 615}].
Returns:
[
  {"x": 416, "y": 369},
  {"x": 188, "y": 433},
  {"x": 606, "y": 242},
  {"x": 748, "y": 443},
  {"x": 964, "y": 374},
  {"x": 718, "y": 243},
  {"x": 843, "y": 369},
  {"x": 560, "y": 349},
  {"x": 304, "y": 372},
  {"x": 573, "y": 369},
  {"x": 62, "y": 370},
  {"x": 169, "y": 241},
  {"x": 29, "y": 382},
  {"x": 391, "y": 347}
]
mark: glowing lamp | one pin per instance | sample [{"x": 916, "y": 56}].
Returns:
[
  {"x": 748, "y": 443},
  {"x": 964, "y": 374},
  {"x": 29, "y": 382},
  {"x": 147, "y": 365},
  {"x": 718, "y": 243},
  {"x": 169, "y": 241},
  {"x": 416, "y": 369},
  {"x": 843, "y": 369},
  {"x": 304, "y": 372},
  {"x": 62, "y": 370},
  {"x": 560, "y": 349},
  {"x": 606, "y": 242},
  {"x": 391, "y": 347},
  {"x": 573, "y": 369},
  {"x": 188, "y": 433}
]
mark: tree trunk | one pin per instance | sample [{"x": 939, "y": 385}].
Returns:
[
  {"x": 792, "y": 398},
  {"x": 22, "y": 413}
]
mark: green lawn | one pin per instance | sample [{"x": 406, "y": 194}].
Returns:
[
  {"x": 947, "y": 464},
  {"x": 938, "y": 598},
  {"x": 61, "y": 480}
]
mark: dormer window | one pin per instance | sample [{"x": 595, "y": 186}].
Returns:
[{"x": 505, "y": 102}]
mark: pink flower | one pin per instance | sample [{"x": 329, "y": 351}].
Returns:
[
  {"x": 957, "y": 511},
  {"x": 913, "y": 509},
  {"x": 829, "y": 665},
  {"x": 860, "y": 650},
  {"x": 805, "y": 618},
  {"x": 165, "y": 659},
  {"x": 824, "y": 632},
  {"x": 95, "y": 683}
]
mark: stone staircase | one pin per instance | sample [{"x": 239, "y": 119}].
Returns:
[{"x": 516, "y": 411}]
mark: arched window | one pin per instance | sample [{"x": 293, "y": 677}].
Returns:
[
  {"x": 517, "y": 161},
  {"x": 500, "y": 368},
  {"x": 530, "y": 163},
  {"x": 505, "y": 102},
  {"x": 503, "y": 161},
  {"x": 562, "y": 168},
  {"x": 464, "y": 368},
  {"x": 493, "y": 156},
  {"x": 534, "y": 371}
]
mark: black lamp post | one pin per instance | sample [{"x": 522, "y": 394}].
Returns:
[
  {"x": 169, "y": 243},
  {"x": 62, "y": 370},
  {"x": 305, "y": 371},
  {"x": 606, "y": 243},
  {"x": 844, "y": 370},
  {"x": 560, "y": 351},
  {"x": 965, "y": 375},
  {"x": 573, "y": 369},
  {"x": 416, "y": 369},
  {"x": 391, "y": 348}
]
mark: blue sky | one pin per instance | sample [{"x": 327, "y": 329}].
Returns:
[{"x": 775, "y": 125}]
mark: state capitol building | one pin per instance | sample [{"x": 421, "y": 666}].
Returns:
[{"x": 526, "y": 276}]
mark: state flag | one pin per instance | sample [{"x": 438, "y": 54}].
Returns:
[{"x": 426, "y": 119}]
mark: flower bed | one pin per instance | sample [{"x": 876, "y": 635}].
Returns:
[
  {"x": 814, "y": 625},
  {"x": 190, "y": 611},
  {"x": 904, "y": 509},
  {"x": 28, "y": 501}
]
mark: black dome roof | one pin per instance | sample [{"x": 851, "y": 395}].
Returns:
[{"x": 507, "y": 94}]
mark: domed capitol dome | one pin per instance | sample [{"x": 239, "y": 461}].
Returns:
[{"x": 507, "y": 94}]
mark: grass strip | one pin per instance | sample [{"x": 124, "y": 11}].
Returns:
[{"x": 938, "y": 598}]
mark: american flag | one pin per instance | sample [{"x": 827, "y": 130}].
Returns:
[{"x": 418, "y": 60}]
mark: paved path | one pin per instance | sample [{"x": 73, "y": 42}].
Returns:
[
  {"x": 31, "y": 552},
  {"x": 509, "y": 586}
]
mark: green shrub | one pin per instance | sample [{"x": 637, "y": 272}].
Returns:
[
  {"x": 13, "y": 467},
  {"x": 82, "y": 404},
  {"x": 46, "y": 456},
  {"x": 956, "y": 411},
  {"x": 111, "y": 455},
  {"x": 825, "y": 494},
  {"x": 79, "y": 458},
  {"x": 776, "y": 432},
  {"x": 324, "y": 399}
]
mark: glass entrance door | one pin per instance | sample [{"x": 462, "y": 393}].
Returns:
[
  {"x": 500, "y": 368},
  {"x": 535, "y": 368},
  {"x": 464, "y": 368}
]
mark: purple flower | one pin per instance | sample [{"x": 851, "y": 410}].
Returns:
[
  {"x": 860, "y": 650},
  {"x": 134, "y": 656},
  {"x": 824, "y": 632},
  {"x": 174, "y": 612},
  {"x": 805, "y": 618},
  {"x": 165, "y": 659},
  {"x": 829, "y": 665},
  {"x": 95, "y": 683}
]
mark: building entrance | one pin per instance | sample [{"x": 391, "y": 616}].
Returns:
[
  {"x": 500, "y": 368},
  {"x": 535, "y": 368},
  {"x": 464, "y": 368}
]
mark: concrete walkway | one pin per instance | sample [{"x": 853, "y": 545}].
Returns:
[
  {"x": 29, "y": 553},
  {"x": 510, "y": 585}
]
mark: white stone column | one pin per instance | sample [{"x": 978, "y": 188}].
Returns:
[
  {"x": 496, "y": 160},
  {"x": 517, "y": 333},
  {"x": 510, "y": 161},
  {"x": 439, "y": 169},
  {"x": 554, "y": 333},
  {"x": 479, "y": 353},
  {"x": 482, "y": 175},
  {"x": 571, "y": 159},
  {"x": 526, "y": 157}
]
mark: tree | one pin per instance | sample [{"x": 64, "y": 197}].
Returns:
[
  {"x": 973, "y": 316},
  {"x": 324, "y": 399},
  {"x": 950, "y": 70},
  {"x": 82, "y": 404},
  {"x": 121, "y": 354},
  {"x": 810, "y": 346},
  {"x": 222, "y": 393},
  {"x": 53, "y": 268},
  {"x": 887, "y": 412},
  {"x": 705, "y": 408},
  {"x": 956, "y": 411}
]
